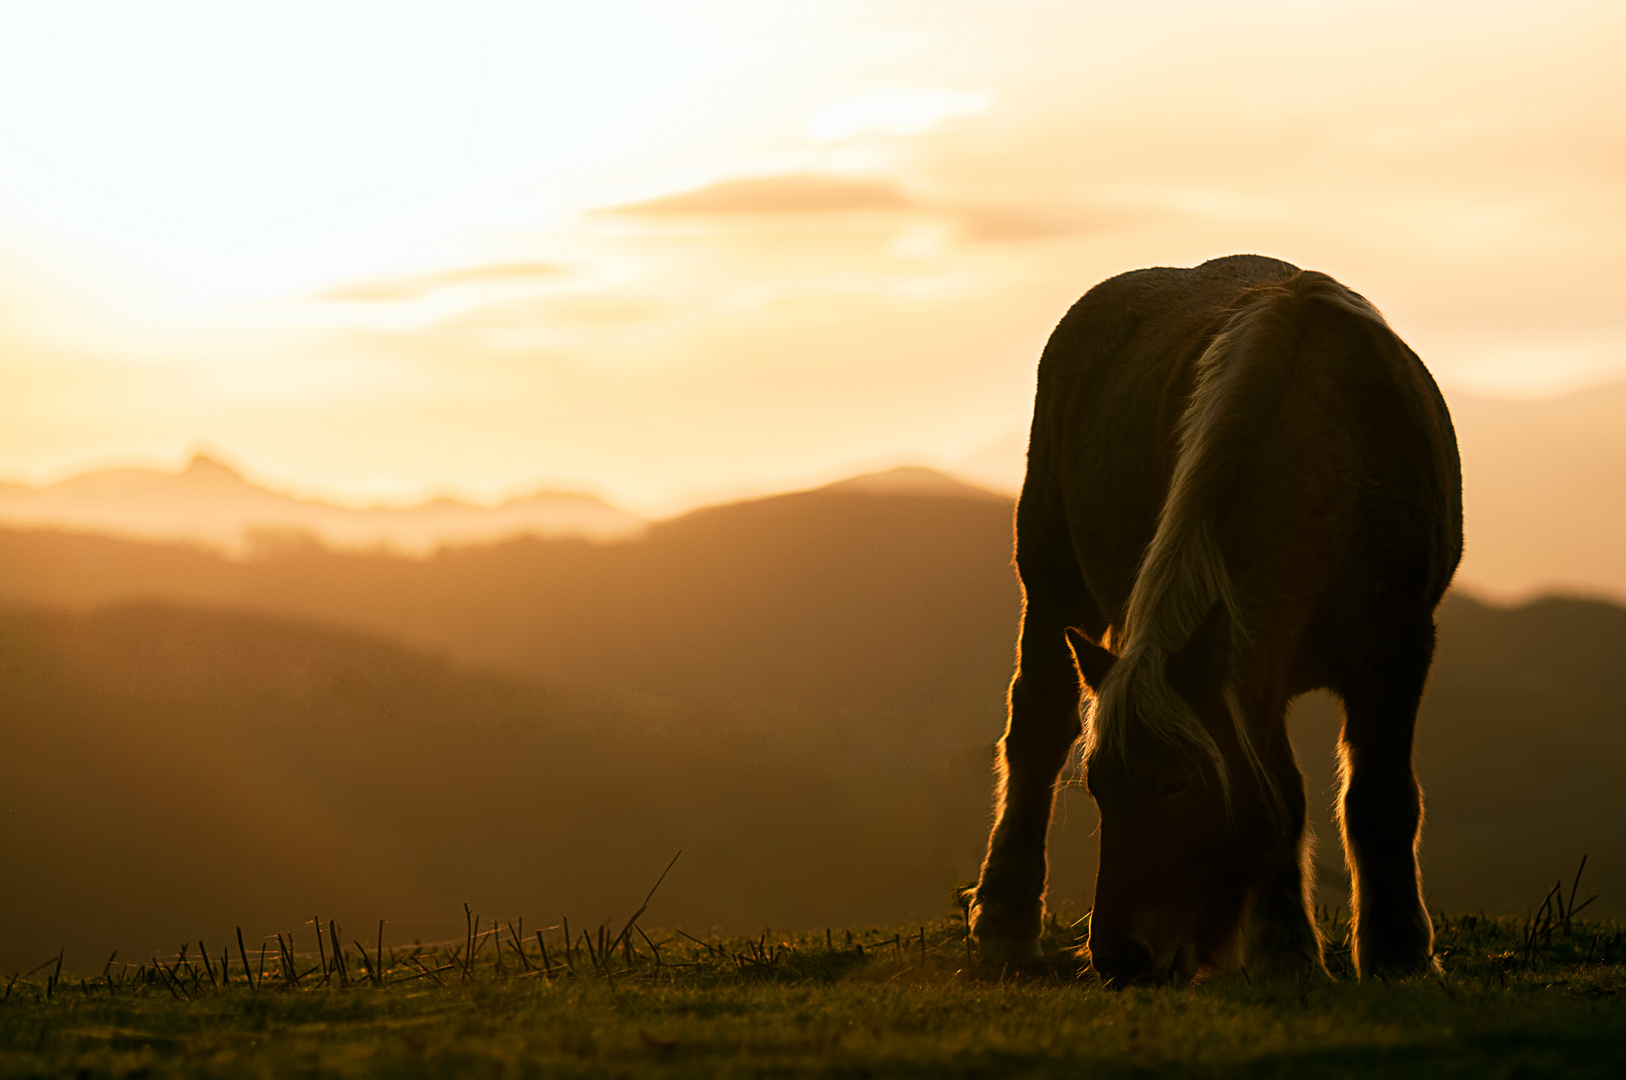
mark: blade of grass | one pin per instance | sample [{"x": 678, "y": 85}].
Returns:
[
  {"x": 524, "y": 960},
  {"x": 50, "y": 984},
  {"x": 1575, "y": 887},
  {"x": 321, "y": 951},
  {"x": 468, "y": 941},
  {"x": 652, "y": 948},
  {"x": 368, "y": 967},
  {"x": 203, "y": 951},
  {"x": 338, "y": 954},
  {"x": 645, "y": 905}
]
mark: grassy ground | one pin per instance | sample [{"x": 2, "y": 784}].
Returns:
[{"x": 903, "y": 1002}]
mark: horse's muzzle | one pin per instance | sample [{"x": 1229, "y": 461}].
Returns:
[{"x": 1123, "y": 961}]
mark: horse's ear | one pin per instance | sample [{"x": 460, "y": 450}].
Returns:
[
  {"x": 1197, "y": 671},
  {"x": 1093, "y": 661}
]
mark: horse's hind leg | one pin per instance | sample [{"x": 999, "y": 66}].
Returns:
[
  {"x": 1007, "y": 911},
  {"x": 1380, "y": 809}
]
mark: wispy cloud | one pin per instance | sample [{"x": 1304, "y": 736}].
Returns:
[
  {"x": 796, "y": 193},
  {"x": 896, "y": 111},
  {"x": 810, "y": 194},
  {"x": 1025, "y": 223},
  {"x": 397, "y": 290}
]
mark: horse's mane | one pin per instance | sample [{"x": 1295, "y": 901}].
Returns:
[{"x": 1239, "y": 380}]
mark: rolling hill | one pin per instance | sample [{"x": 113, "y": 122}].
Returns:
[
  {"x": 802, "y": 692},
  {"x": 173, "y": 772},
  {"x": 831, "y": 596}
]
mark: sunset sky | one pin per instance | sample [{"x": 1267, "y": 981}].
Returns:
[{"x": 673, "y": 252}]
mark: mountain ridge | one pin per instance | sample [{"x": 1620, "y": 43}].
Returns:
[
  {"x": 1544, "y": 495},
  {"x": 211, "y": 503}
]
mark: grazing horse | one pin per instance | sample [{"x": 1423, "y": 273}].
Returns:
[{"x": 1241, "y": 486}]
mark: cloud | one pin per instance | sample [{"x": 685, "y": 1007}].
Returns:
[
  {"x": 812, "y": 193},
  {"x": 396, "y": 290},
  {"x": 1012, "y": 223},
  {"x": 898, "y": 111},
  {"x": 795, "y": 193}
]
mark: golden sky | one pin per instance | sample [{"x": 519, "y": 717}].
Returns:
[{"x": 678, "y": 251}]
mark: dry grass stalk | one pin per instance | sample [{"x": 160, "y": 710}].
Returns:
[
  {"x": 203, "y": 951},
  {"x": 653, "y": 948},
  {"x": 518, "y": 946},
  {"x": 50, "y": 984},
  {"x": 369, "y": 968},
  {"x": 468, "y": 941},
  {"x": 248, "y": 974},
  {"x": 338, "y": 953},
  {"x": 547, "y": 964},
  {"x": 320, "y": 951}
]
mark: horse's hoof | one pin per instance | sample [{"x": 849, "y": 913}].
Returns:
[
  {"x": 1013, "y": 951},
  {"x": 1394, "y": 970}
]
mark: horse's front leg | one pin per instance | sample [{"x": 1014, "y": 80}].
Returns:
[
  {"x": 1282, "y": 939},
  {"x": 1007, "y": 910}
]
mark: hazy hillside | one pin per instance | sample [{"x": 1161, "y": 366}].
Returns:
[
  {"x": 172, "y": 772},
  {"x": 802, "y": 692},
  {"x": 826, "y": 596}
]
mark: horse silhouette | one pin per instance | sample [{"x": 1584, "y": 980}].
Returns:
[{"x": 1241, "y": 486}]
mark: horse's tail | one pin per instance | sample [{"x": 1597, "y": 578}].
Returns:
[{"x": 1238, "y": 383}]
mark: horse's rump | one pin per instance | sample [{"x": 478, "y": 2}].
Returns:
[{"x": 1283, "y": 424}]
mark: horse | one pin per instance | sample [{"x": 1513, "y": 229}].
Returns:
[{"x": 1241, "y": 486}]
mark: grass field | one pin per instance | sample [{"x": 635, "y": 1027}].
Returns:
[{"x": 1517, "y": 998}]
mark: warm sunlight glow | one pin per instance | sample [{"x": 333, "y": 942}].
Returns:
[{"x": 669, "y": 253}]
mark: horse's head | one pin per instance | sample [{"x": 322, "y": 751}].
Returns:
[{"x": 1177, "y": 848}]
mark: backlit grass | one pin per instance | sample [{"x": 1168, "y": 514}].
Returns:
[{"x": 1518, "y": 997}]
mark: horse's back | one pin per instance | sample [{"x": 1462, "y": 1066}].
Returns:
[
  {"x": 1131, "y": 328},
  {"x": 1113, "y": 382},
  {"x": 1346, "y": 495}
]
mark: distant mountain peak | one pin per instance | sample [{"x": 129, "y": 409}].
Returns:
[
  {"x": 212, "y": 470},
  {"x": 912, "y": 480},
  {"x": 202, "y": 460}
]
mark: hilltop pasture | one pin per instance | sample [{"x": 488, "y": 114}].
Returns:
[{"x": 1516, "y": 999}]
